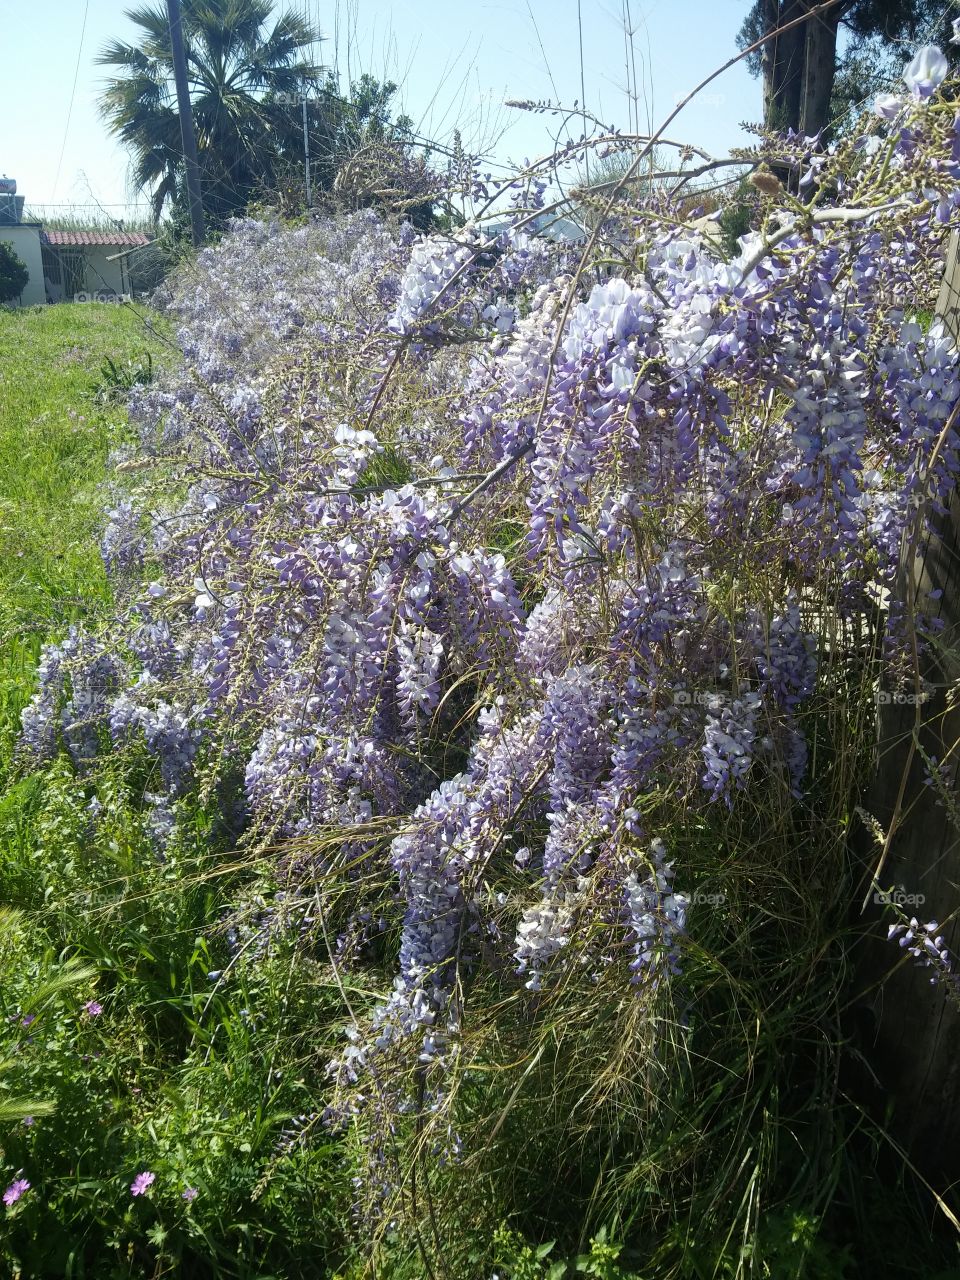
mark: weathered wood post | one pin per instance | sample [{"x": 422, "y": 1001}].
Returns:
[{"x": 915, "y": 1049}]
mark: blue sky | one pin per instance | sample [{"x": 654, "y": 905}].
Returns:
[{"x": 456, "y": 64}]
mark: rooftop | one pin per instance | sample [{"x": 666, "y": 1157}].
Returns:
[{"x": 133, "y": 238}]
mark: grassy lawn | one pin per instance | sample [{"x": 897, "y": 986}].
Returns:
[
  {"x": 176, "y": 1073},
  {"x": 55, "y": 435}
]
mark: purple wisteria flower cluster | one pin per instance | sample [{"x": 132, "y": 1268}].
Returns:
[
  {"x": 480, "y": 618},
  {"x": 925, "y": 943}
]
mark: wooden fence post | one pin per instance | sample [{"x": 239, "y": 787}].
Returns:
[{"x": 915, "y": 1045}]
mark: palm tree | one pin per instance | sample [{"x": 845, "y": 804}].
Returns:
[{"x": 244, "y": 73}]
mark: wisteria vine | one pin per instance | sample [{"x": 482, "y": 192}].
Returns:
[{"x": 475, "y": 601}]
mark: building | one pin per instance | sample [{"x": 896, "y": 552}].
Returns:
[
  {"x": 549, "y": 226},
  {"x": 66, "y": 266},
  {"x": 78, "y": 263}
]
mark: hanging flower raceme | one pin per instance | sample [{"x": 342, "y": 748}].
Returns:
[
  {"x": 432, "y": 267},
  {"x": 656, "y": 917}
]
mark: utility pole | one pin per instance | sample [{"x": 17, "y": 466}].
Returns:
[
  {"x": 306, "y": 150},
  {"x": 187, "y": 136}
]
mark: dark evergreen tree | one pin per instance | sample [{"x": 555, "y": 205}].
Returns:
[{"x": 802, "y": 67}]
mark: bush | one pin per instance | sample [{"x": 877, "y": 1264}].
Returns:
[
  {"x": 13, "y": 273},
  {"x": 149, "y": 266},
  {"x": 497, "y": 644}
]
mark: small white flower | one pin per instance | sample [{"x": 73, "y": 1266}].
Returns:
[
  {"x": 925, "y": 71},
  {"x": 955, "y": 38},
  {"x": 204, "y": 599},
  {"x": 887, "y": 106}
]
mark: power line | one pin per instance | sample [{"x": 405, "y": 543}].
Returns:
[
  {"x": 73, "y": 92},
  {"x": 89, "y": 204}
]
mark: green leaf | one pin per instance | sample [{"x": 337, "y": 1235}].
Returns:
[
  {"x": 157, "y": 1234},
  {"x": 18, "y": 1109}
]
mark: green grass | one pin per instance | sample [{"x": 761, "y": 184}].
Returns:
[
  {"x": 55, "y": 436},
  {"x": 194, "y": 1077}
]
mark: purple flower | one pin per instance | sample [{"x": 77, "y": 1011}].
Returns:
[
  {"x": 728, "y": 743},
  {"x": 15, "y": 1191},
  {"x": 433, "y": 264},
  {"x": 27, "y": 1019},
  {"x": 336, "y": 639},
  {"x": 141, "y": 1182},
  {"x": 656, "y": 915},
  {"x": 926, "y": 944}
]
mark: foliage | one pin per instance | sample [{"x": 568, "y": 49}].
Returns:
[
  {"x": 54, "y": 444},
  {"x": 118, "y": 380},
  {"x": 877, "y": 34},
  {"x": 249, "y": 84},
  {"x": 147, "y": 1059},
  {"x": 372, "y": 161},
  {"x": 740, "y": 214},
  {"x": 238, "y": 67},
  {"x": 13, "y": 273},
  {"x": 887, "y": 20},
  {"x": 204, "y": 1084},
  {"x": 590, "y": 193},
  {"x": 360, "y": 157},
  {"x": 149, "y": 266},
  {"x": 516, "y": 1260}
]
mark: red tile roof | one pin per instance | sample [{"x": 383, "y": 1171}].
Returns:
[{"x": 96, "y": 237}]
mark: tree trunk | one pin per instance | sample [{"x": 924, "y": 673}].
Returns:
[
  {"x": 913, "y": 1030},
  {"x": 819, "y": 68},
  {"x": 768, "y": 60},
  {"x": 782, "y": 64}
]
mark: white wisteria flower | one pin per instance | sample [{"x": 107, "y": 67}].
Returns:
[
  {"x": 925, "y": 72},
  {"x": 888, "y": 106}
]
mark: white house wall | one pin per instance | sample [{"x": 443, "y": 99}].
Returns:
[
  {"x": 102, "y": 275},
  {"x": 25, "y": 241}
]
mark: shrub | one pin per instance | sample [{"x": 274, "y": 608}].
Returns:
[
  {"x": 13, "y": 273},
  {"x": 522, "y": 627}
]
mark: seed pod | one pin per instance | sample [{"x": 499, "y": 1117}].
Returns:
[{"x": 767, "y": 183}]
